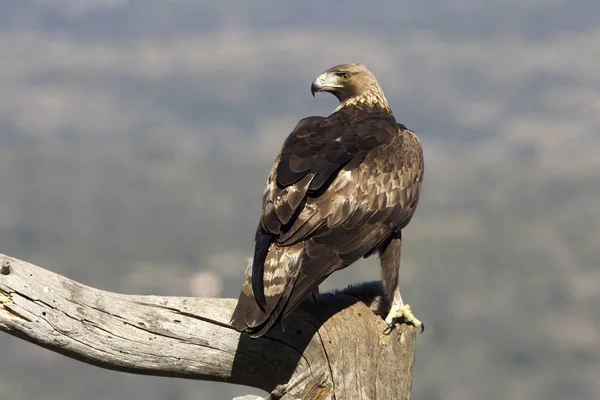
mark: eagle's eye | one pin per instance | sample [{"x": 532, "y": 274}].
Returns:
[{"x": 344, "y": 76}]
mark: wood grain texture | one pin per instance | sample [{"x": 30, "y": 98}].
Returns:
[{"x": 330, "y": 349}]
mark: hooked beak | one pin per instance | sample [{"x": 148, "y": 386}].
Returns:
[
  {"x": 315, "y": 87},
  {"x": 324, "y": 83}
]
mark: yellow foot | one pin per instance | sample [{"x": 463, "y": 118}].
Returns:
[{"x": 403, "y": 314}]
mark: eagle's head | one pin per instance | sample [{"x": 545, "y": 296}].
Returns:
[{"x": 351, "y": 84}]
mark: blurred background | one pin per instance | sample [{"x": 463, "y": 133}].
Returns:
[{"x": 136, "y": 137}]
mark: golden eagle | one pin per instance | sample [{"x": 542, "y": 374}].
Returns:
[{"x": 342, "y": 188}]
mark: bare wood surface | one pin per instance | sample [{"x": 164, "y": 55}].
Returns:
[{"x": 332, "y": 348}]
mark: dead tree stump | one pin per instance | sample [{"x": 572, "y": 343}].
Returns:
[{"x": 332, "y": 348}]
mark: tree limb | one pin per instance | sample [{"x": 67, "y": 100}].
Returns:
[{"x": 331, "y": 349}]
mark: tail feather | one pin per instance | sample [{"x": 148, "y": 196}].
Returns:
[
  {"x": 261, "y": 248},
  {"x": 276, "y": 315},
  {"x": 280, "y": 270},
  {"x": 290, "y": 273}
]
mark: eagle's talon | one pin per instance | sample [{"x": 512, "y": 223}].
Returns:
[
  {"x": 405, "y": 315},
  {"x": 390, "y": 327}
]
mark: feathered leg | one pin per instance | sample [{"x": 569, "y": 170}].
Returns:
[{"x": 390, "y": 266}]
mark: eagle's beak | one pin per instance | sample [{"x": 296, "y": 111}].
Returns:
[
  {"x": 315, "y": 87},
  {"x": 324, "y": 83}
]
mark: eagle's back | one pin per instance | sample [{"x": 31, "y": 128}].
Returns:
[{"x": 339, "y": 188}]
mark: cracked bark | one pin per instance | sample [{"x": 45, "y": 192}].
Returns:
[{"x": 330, "y": 349}]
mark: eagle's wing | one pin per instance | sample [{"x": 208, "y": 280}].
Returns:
[
  {"x": 338, "y": 193},
  {"x": 367, "y": 205},
  {"x": 311, "y": 158},
  {"x": 333, "y": 196}
]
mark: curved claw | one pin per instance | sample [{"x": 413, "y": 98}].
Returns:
[
  {"x": 405, "y": 314},
  {"x": 388, "y": 329}
]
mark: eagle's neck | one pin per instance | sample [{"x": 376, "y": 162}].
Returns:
[{"x": 371, "y": 99}]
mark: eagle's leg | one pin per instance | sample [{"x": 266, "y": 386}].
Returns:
[{"x": 390, "y": 266}]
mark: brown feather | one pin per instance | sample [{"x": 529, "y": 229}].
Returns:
[{"x": 339, "y": 189}]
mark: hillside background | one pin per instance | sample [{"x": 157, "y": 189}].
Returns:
[{"x": 136, "y": 136}]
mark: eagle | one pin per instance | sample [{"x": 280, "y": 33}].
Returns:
[{"x": 342, "y": 187}]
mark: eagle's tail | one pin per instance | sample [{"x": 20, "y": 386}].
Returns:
[{"x": 281, "y": 269}]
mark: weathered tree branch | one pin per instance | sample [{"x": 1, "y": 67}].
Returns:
[{"x": 331, "y": 349}]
